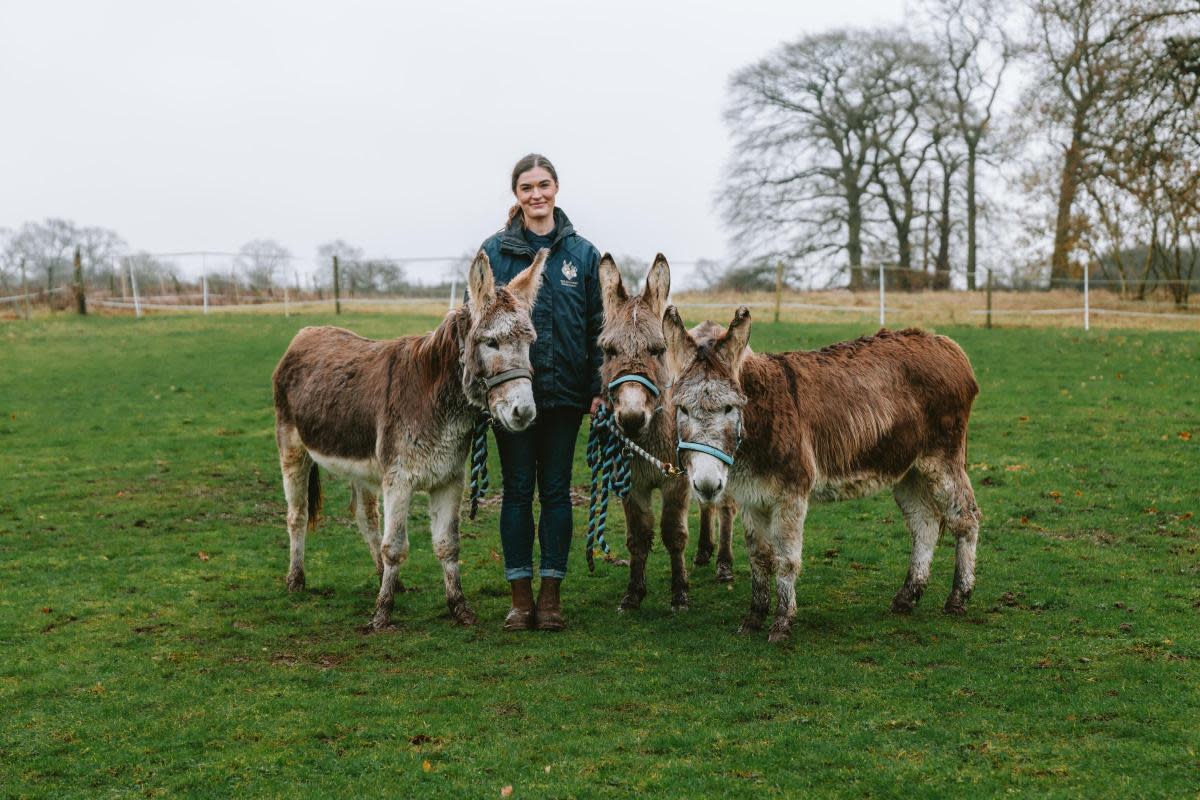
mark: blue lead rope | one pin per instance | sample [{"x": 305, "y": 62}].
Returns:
[
  {"x": 611, "y": 474},
  {"x": 479, "y": 473}
]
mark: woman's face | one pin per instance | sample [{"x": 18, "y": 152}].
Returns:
[{"x": 535, "y": 193}]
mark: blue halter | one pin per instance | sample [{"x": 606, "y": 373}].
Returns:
[
  {"x": 643, "y": 380},
  {"x": 706, "y": 449}
]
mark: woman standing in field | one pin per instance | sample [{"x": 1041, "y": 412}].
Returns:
[{"x": 567, "y": 317}]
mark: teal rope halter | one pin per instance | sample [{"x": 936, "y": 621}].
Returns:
[{"x": 705, "y": 448}]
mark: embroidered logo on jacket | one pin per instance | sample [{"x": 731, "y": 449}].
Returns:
[{"x": 568, "y": 270}]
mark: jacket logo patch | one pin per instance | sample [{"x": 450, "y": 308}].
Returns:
[{"x": 569, "y": 271}]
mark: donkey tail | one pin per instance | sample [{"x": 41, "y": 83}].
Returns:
[{"x": 315, "y": 499}]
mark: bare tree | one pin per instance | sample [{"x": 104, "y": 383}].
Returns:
[
  {"x": 46, "y": 249},
  {"x": 633, "y": 270},
  {"x": 10, "y": 262},
  {"x": 804, "y": 127},
  {"x": 99, "y": 249},
  {"x": 977, "y": 52},
  {"x": 949, "y": 158},
  {"x": 260, "y": 260},
  {"x": 372, "y": 276},
  {"x": 903, "y": 134},
  {"x": 1083, "y": 57}
]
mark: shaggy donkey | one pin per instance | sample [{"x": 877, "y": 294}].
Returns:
[
  {"x": 709, "y": 331},
  {"x": 888, "y": 410},
  {"x": 396, "y": 417},
  {"x": 636, "y": 374}
]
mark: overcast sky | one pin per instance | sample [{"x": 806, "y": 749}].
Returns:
[{"x": 202, "y": 125}]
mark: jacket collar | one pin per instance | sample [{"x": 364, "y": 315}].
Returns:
[{"x": 513, "y": 238}]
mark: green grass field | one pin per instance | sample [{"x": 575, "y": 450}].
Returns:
[{"x": 148, "y": 645}]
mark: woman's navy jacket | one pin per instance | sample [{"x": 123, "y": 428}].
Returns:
[{"x": 568, "y": 313}]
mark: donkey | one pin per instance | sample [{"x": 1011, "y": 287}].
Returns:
[
  {"x": 636, "y": 374},
  {"x": 775, "y": 430},
  {"x": 709, "y": 331},
  {"x": 396, "y": 417}
]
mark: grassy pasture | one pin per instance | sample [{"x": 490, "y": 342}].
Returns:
[{"x": 149, "y": 646}]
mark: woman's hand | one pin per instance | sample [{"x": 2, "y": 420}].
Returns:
[{"x": 597, "y": 401}]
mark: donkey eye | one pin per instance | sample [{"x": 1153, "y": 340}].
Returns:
[
  {"x": 610, "y": 351},
  {"x": 728, "y": 409},
  {"x": 683, "y": 412},
  {"x": 491, "y": 342},
  {"x": 657, "y": 350}
]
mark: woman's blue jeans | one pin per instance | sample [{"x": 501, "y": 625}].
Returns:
[{"x": 542, "y": 455}]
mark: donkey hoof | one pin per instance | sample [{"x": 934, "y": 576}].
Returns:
[
  {"x": 463, "y": 614},
  {"x": 750, "y": 624},
  {"x": 629, "y": 603},
  {"x": 295, "y": 581},
  {"x": 902, "y": 605},
  {"x": 956, "y": 604},
  {"x": 680, "y": 602},
  {"x": 905, "y": 600},
  {"x": 724, "y": 573},
  {"x": 379, "y": 623},
  {"x": 779, "y": 633},
  {"x": 702, "y": 557}
]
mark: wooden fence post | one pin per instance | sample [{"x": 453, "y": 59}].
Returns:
[
  {"x": 337, "y": 290},
  {"x": 25, "y": 291},
  {"x": 778, "y": 288},
  {"x": 80, "y": 295},
  {"x": 989, "y": 298}
]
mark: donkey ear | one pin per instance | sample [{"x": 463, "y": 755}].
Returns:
[
  {"x": 612, "y": 290},
  {"x": 525, "y": 286},
  {"x": 681, "y": 347},
  {"x": 481, "y": 284},
  {"x": 732, "y": 346},
  {"x": 658, "y": 284}
]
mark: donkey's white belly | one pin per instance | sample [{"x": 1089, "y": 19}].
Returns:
[
  {"x": 850, "y": 487},
  {"x": 362, "y": 471}
]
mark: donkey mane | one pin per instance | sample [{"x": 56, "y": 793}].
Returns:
[{"x": 436, "y": 354}]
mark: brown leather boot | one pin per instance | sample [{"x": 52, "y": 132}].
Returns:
[
  {"x": 521, "y": 616},
  {"x": 549, "y": 606}
]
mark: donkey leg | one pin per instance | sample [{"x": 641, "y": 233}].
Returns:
[
  {"x": 397, "y": 497},
  {"x": 444, "y": 502},
  {"x": 787, "y": 529},
  {"x": 294, "y": 463},
  {"x": 366, "y": 515},
  {"x": 639, "y": 531},
  {"x": 757, "y": 522},
  {"x": 675, "y": 536},
  {"x": 923, "y": 516},
  {"x": 725, "y": 550},
  {"x": 704, "y": 544},
  {"x": 957, "y": 500}
]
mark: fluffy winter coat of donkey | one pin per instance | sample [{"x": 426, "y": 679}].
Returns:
[
  {"x": 637, "y": 376},
  {"x": 888, "y": 410},
  {"x": 395, "y": 417}
]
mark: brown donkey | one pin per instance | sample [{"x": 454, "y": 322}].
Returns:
[
  {"x": 396, "y": 417},
  {"x": 888, "y": 410},
  {"x": 636, "y": 373}
]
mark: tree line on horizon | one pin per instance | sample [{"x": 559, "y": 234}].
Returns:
[{"x": 899, "y": 145}]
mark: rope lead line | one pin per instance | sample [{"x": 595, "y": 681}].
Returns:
[
  {"x": 479, "y": 473},
  {"x": 609, "y": 458}
]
